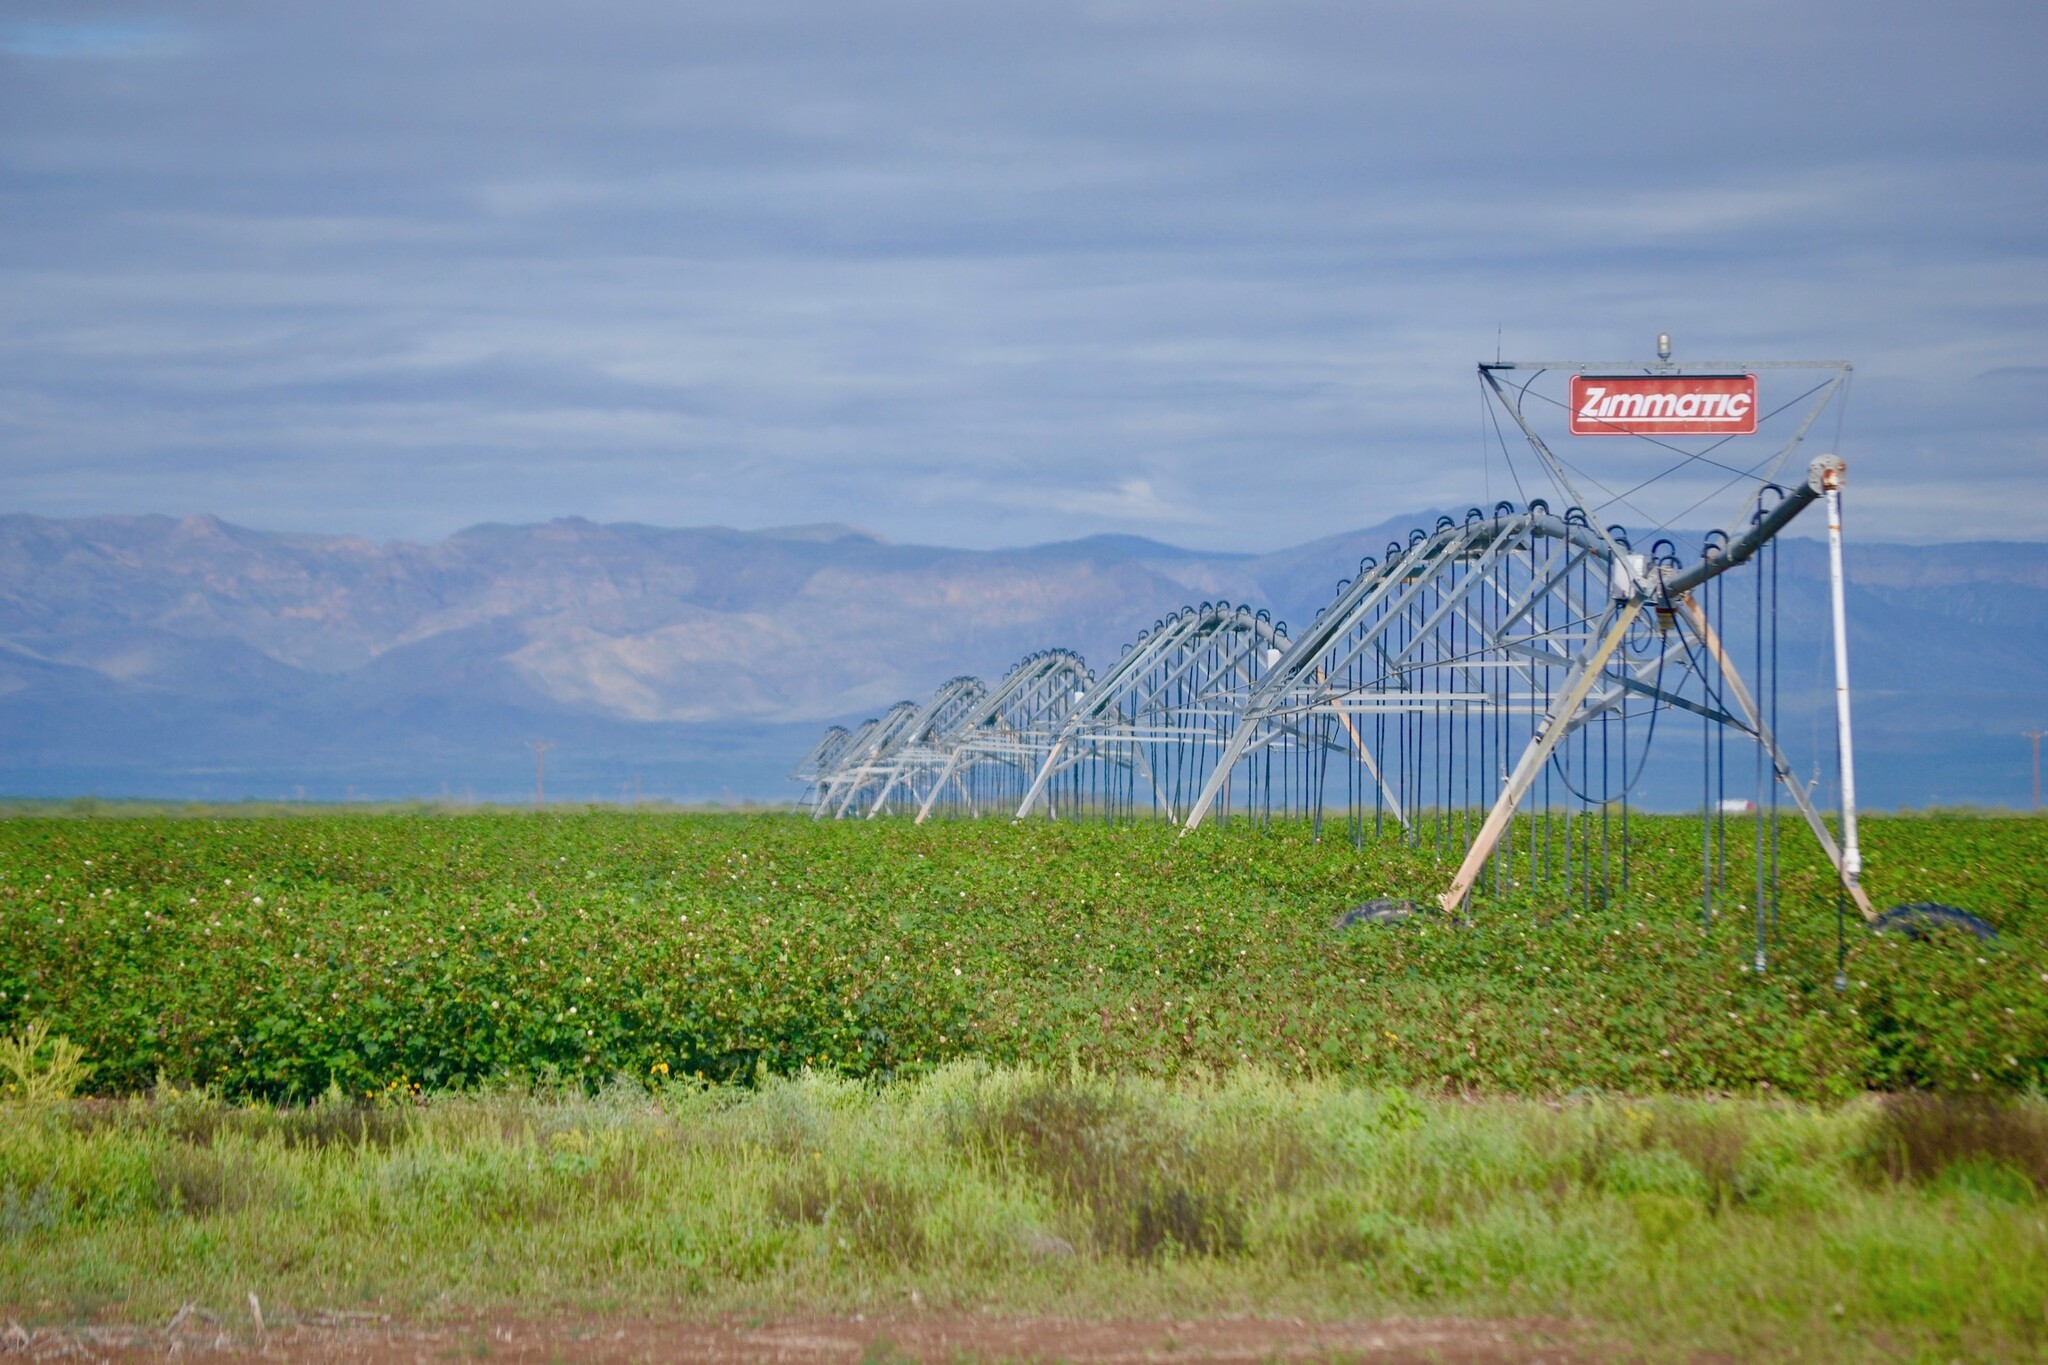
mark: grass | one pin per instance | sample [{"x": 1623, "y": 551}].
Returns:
[
  {"x": 1877, "y": 1229},
  {"x": 1037, "y": 1068}
]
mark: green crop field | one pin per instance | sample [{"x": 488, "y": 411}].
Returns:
[
  {"x": 734, "y": 1066},
  {"x": 275, "y": 958}
]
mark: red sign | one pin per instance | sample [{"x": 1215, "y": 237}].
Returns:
[{"x": 1663, "y": 405}]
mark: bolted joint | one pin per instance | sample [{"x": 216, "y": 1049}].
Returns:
[{"x": 1826, "y": 474}]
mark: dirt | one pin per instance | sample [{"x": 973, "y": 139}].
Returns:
[{"x": 858, "y": 1340}]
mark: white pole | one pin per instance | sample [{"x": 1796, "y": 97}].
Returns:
[{"x": 1831, "y": 488}]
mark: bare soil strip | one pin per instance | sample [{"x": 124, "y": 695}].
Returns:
[{"x": 367, "y": 1340}]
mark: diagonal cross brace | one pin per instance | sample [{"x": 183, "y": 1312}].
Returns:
[{"x": 1555, "y": 726}]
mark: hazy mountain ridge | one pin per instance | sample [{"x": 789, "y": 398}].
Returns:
[{"x": 155, "y": 647}]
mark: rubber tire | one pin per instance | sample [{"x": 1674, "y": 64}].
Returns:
[
  {"x": 1918, "y": 919},
  {"x": 1386, "y": 910}
]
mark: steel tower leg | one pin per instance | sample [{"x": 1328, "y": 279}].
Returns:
[
  {"x": 1038, "y": 784},
  {"x": 952, "y": 762},
  {"x": 1555, "y": 726},
  {"x": 1754, "y": 715}
]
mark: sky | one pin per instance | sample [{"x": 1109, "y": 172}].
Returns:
[{"x": 982, "y": 275}]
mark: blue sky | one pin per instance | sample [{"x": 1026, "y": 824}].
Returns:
[{"x": 988, "y": 274}]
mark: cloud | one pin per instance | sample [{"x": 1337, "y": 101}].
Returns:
[
  {"x": 1131, "y": 501},
  {"x": 59, "y": 41},
  {"x": 983, "y": 275}
]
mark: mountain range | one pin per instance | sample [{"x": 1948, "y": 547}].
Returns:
[{"x": 168, "y": 657}]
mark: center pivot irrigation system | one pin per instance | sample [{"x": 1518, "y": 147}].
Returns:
[{"x": 1490, "y": 687}]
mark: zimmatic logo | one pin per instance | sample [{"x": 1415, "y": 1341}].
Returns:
[{"x": 1663, "y": 405}]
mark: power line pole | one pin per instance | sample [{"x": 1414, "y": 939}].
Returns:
[
  {"x": 2036, "y": 736},
  {"x": 540, "y": 749}
]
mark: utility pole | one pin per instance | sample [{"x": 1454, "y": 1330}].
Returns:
[
  {"x": 2036, "y": 736},
  {"x": 540, "y": 749}
]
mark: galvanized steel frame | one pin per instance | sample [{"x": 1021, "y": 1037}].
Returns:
[{"x": 1174, "y": 688}]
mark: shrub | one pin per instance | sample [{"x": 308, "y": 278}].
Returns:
[
  {"x": 880, "y": 1217},
  {"x": 1143, "y": 1185},
  {"x": 1922, "y": 1137}
]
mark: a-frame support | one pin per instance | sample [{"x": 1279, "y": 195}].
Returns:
[{"x": 1557, "y": 723}]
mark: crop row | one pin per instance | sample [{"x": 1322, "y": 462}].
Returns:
[{"x": 279, "y": 957}]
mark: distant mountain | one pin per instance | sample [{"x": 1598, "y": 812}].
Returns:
[{"x": 148, "y": 655}]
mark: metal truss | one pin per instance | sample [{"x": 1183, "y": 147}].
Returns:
[
  {"x": 1003, "y": 739},
  {"x": 1482, "y": 617},
  {"x": 1494, "y": 642},
  {"x": 911, "y": 762},
  {"x": 1161, "y": 714},
  {"x": 863, "y": 764},
  {"x": 1511, "y": 384},
  {"x": 1670, "y": 591},
  {"x": 1500, "y": 659},
  {"x": 972, "y": 745},
  {"x": 821, "y": 760},
  {"x": 831, "y": 764}
]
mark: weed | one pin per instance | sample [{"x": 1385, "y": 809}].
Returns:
[
  {"x": 1012, "y": 1189},
  {"x": 1661, "y": 1218},
  {"x": 1143, "y": 1185},
  {"x": 874, "y": 1216},
  {"x": 199, "y": 1182},
  {"x": 1329, "y": 1227},
  {"x": 882, "y": 1351},
  {"x": 43, "y": 1068},
  {"x": 1922, "y": 1137},
  {"x": 25, "y": 1210},
  {"x": 1712, "y": 1143},
  {"x": 329, "y": 1124}
]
